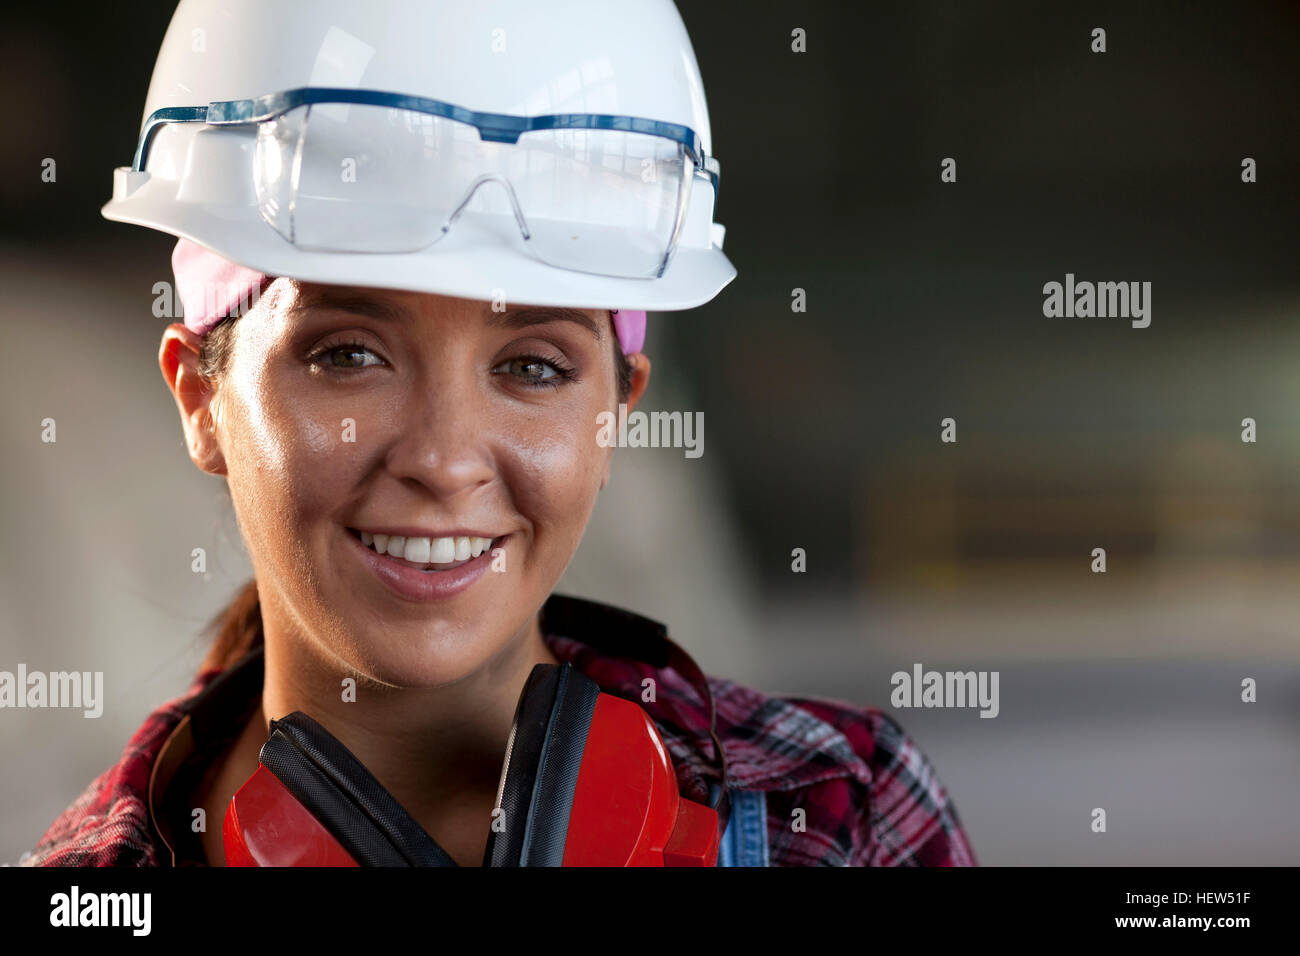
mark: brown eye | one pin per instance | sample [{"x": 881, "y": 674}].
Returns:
[
  {"x": 532, "y": 369},
  {"x": 535, "y": 372},
  {"x": 346, "y": 355},
  {"x": 352, "y": 358}
]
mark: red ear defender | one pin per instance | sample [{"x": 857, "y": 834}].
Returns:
[
  {"x": 266, "y": 826},
  {"x": 586, "y": 782},
  {"x": 626, "y": 807}
]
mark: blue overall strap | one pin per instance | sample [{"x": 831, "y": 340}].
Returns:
[{"x": 744, "y": 843}]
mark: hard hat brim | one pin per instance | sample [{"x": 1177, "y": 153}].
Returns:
[{"x": 468, "y": 263}]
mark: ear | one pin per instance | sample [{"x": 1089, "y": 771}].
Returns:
[
  {"x": 640, "y": 378},
  {"x": 636, "y": 388},
  {"x": 178, "y": 357}
]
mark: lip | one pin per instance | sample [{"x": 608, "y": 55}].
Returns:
[
  {"x": 423, "y": 533},
  {"x": 414, "y": 584}
]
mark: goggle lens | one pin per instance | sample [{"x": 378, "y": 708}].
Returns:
[{"x": 345, "y": 177}]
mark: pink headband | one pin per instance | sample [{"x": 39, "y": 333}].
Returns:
[{"x": 212, "y": 288}]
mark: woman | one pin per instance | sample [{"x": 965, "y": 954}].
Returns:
[{"x": 401, "y": 381}]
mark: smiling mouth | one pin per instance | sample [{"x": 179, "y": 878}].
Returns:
[{"x": 395, "y": 548}]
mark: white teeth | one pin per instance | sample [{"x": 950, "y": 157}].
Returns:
[
  {"x": 417, "y": 550},
  {"x": 427, "y": 550},
  {"x": 442, "y": 551}
]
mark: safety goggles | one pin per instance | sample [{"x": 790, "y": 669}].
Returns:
[{"x": 339, "y": 170}]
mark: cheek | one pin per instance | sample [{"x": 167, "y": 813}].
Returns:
[
  {"x": 290, "y": 460},
  {"x": 554, "y": 469}
]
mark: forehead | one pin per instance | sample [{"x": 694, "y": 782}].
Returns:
[{"x": 398, "y": 307}]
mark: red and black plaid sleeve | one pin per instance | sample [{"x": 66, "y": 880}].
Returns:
[{"x": 908, "y": 818}]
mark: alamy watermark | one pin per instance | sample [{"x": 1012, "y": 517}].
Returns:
[
  {"x": 84, "y": 689},
  {"x": 1123, "y": 300},
  {"x": 651, "y": 430},
  {"x": 234, "y": 298},
  {"x": 922, "y": 688},
  {"x": 129, "y": 910}
]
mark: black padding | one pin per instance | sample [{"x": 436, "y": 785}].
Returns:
[
  {"x": 342, "y": 794},
  {"x": 541, "y": 769}
]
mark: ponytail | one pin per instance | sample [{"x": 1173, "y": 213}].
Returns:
[{"x": 238, "y": 629}]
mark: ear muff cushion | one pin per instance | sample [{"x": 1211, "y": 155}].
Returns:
[
  {"x": 341, "y": 793},
  {"x": 541, "y": 768}
]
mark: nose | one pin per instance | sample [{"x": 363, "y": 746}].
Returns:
[{"x": 443, "y": 437}]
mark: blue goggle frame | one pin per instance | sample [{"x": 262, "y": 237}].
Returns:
[{"x": 493, "y": 127}]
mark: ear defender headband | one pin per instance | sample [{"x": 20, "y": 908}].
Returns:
[
  {"x": 211, "y": 288},
  {"x": 586, "y": 782}
]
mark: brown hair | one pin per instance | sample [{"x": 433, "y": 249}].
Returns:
[{"x": 238, "y": 626}]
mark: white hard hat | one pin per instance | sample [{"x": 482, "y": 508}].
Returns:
[{"x": 221, "y": 160}]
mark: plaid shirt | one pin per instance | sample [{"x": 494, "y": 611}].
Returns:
[{"x": 869, "y": 795}]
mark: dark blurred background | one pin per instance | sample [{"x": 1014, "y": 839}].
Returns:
[{"x": 924, "y": 301}]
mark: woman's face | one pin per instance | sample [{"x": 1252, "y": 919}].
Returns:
[{"x": 347, "y": 410}]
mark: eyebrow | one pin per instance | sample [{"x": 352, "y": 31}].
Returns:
[
  {"x": 539, "y": 315},
  {"x": 336, "y": 297}
]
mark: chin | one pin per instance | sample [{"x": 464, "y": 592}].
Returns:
[{"x": 428, "y": 654}]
